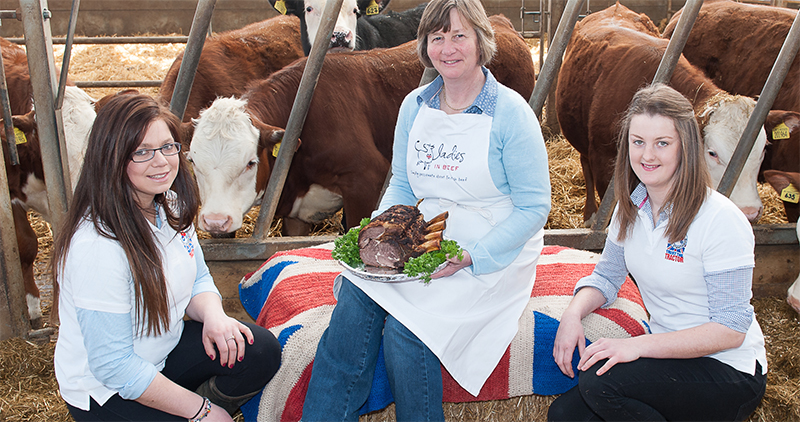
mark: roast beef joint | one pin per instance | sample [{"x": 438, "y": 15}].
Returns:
[{"x": 396, "y": 235}]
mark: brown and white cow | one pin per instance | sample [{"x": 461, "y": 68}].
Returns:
[
  {"x": 610, "y": 57},
  {"x": 26, "y": 180},
  {"x": 346, "y": 142},
  {"x": 787, "y": 184},
  {"x": 230, "y": 60},
  {"x": 735, "y": 44}
]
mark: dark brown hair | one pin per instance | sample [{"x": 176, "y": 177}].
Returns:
[
  {"x": 437, "y": 16},
  {"x": 691, "y": 178},
  {"x": 105, "y": 196}
]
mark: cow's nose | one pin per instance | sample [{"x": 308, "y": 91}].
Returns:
[
  {"x": 216, "y": 223},
  {"x": 752, "y": 213},
  {"x": 339, "y": 39}
]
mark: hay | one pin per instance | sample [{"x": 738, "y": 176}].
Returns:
[{"x": 29, "y": 392}]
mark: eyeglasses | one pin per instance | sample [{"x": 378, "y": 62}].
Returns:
[{"x": 146, "y": 154}]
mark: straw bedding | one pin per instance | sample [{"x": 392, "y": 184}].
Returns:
[{"x": 29, "y": 392}]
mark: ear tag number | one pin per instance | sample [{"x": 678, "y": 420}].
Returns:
[
  {"x": 280, "y": 6},
  {"x": 781, "y": 131},
  {"x": 373, "y": 8},
  {"x": 275, "y": 149},
  {"x": 19, "y": 137},
  {"x": 790, "y": 194}
]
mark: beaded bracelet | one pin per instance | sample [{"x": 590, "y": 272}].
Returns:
[{"x": 205, "y": 409}]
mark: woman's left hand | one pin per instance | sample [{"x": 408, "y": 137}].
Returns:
[
  {"x": 229, "y": 335},
  {"x": 453, "y": 265},
  {"x": 615, "y": 350}
]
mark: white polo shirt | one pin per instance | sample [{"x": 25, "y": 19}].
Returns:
[{"x": 670, "y": 276}]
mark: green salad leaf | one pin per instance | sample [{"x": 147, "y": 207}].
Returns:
[
  {"x": 345, "y": 248},
  {"x": 424, "y": 265}
]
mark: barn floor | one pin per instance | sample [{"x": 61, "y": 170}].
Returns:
[{"x": 28, "y": 389}]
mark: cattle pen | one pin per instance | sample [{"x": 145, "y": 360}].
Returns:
[{"x": 777, "y": 251}]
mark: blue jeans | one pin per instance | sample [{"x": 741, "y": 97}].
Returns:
[
  {"x": 344, "y": 365},
  {"x": 700, "y": 389}
]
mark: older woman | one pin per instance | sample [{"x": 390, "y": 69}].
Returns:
[{"x": 470, "y": 146}]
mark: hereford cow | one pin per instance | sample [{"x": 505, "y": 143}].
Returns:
[
  {"x": 347, "y": 138},
  {"x": 26, "y": 180},
  {"x": 736, "y": 44},
  {"x": 610, "y": 57},
  {"x": 359, "y": 26},
  {"x": 232, "y": 59},
  {"x": 787, "y": 184}
]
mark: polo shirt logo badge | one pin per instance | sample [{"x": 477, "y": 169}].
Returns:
[
  {"x": 187, "y": 243},
  {"x": 675, "y": 251}
]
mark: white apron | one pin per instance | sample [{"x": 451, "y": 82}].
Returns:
[{"x": 468, "y": 321}]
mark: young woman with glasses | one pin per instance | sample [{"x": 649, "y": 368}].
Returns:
[{"x": 129, "y": 269}]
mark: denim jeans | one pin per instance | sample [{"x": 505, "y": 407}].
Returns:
[
  {"x": 341, "y": 378},
  {"x": 700, "y": 389}
]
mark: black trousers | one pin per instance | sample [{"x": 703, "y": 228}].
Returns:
[
  {"x": 188, "y": 365},
  {"x": 701, "y": 389}
]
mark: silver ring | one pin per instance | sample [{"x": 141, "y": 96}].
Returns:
[{"x": 231, "y": 338}]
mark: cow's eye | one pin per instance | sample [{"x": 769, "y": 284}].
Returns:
[
  {"x": 252, "y": 164},
  {"x": 309, "y": 9},
  {"x": 356, "y": 12},
  {"x": 712, "y": 154}
]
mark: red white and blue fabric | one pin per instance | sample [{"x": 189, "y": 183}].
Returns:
[{"x": 291, "y": 295}]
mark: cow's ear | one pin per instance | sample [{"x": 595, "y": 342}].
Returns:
[
  {"x": 781, "y": 124},
  {"x": 187, "y": 132},
  {"x": 780, "y": 180},
  {"x": 371, "y": 7},
  {"x": 288, "y": 7},
  {"x": 25, "y": 122}
]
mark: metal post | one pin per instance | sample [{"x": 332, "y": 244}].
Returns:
[
  {"x": 428, "y": 75},
  {"x": 663, "y": 75},
  {"x": 62, "y": 80},
  {"x": 677, "y": 41},
  {"x": 13, "y": 307},
  {"x": 7, "y": 125},
  {"x": 549, "y": 71},
  {"x": 35, "y": 18},
  {"x": 191, "y": 56},
  {"x": 296, "y": 119},
  {"x": 765, "y": 100}
]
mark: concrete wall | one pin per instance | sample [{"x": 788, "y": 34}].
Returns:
[{"x": 131, "y": 17}]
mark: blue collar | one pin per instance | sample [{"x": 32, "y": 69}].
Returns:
[
  {"x": 485, "y": 102},
  {"x": 640, "y": 198}
]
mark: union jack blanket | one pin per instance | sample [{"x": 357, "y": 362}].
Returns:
[{"x": 291, "y": 295}]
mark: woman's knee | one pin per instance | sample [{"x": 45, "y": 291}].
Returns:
[{"x": 264, "y": 355}]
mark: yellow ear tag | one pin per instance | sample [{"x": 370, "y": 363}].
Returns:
[
  {"x": 790, "y": 194},
  {"x": 275, "y": 149},
  {"x": 373, "y": 8},
  {"x": 280, "y": 6},
  {"x": 781, "y": 131},
  {"x": 19, "y": 137}
]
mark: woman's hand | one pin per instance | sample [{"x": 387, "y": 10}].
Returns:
[
  {"x": 616, "y": 350},
  {"x": 453, "y": 265},
  {"x": 569, "y": 336},
  {"x": 229, "y": 335}
]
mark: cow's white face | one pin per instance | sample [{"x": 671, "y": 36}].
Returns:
[
  {"x": 722, "y": 133},
  {"x": 224, "y": 152},
  {"x": 78, "y": 115},
  {"x": 344, "y": 33}
]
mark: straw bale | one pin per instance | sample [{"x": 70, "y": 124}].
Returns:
[{"x": 119, "y": 62}]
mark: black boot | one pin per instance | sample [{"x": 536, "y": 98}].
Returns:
[{"x": 230, "y": 404}]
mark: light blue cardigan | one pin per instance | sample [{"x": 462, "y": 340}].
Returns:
[{"x": 517, "y": 164}]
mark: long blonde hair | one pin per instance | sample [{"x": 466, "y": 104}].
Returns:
[{"x": 691, "y": 178}]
